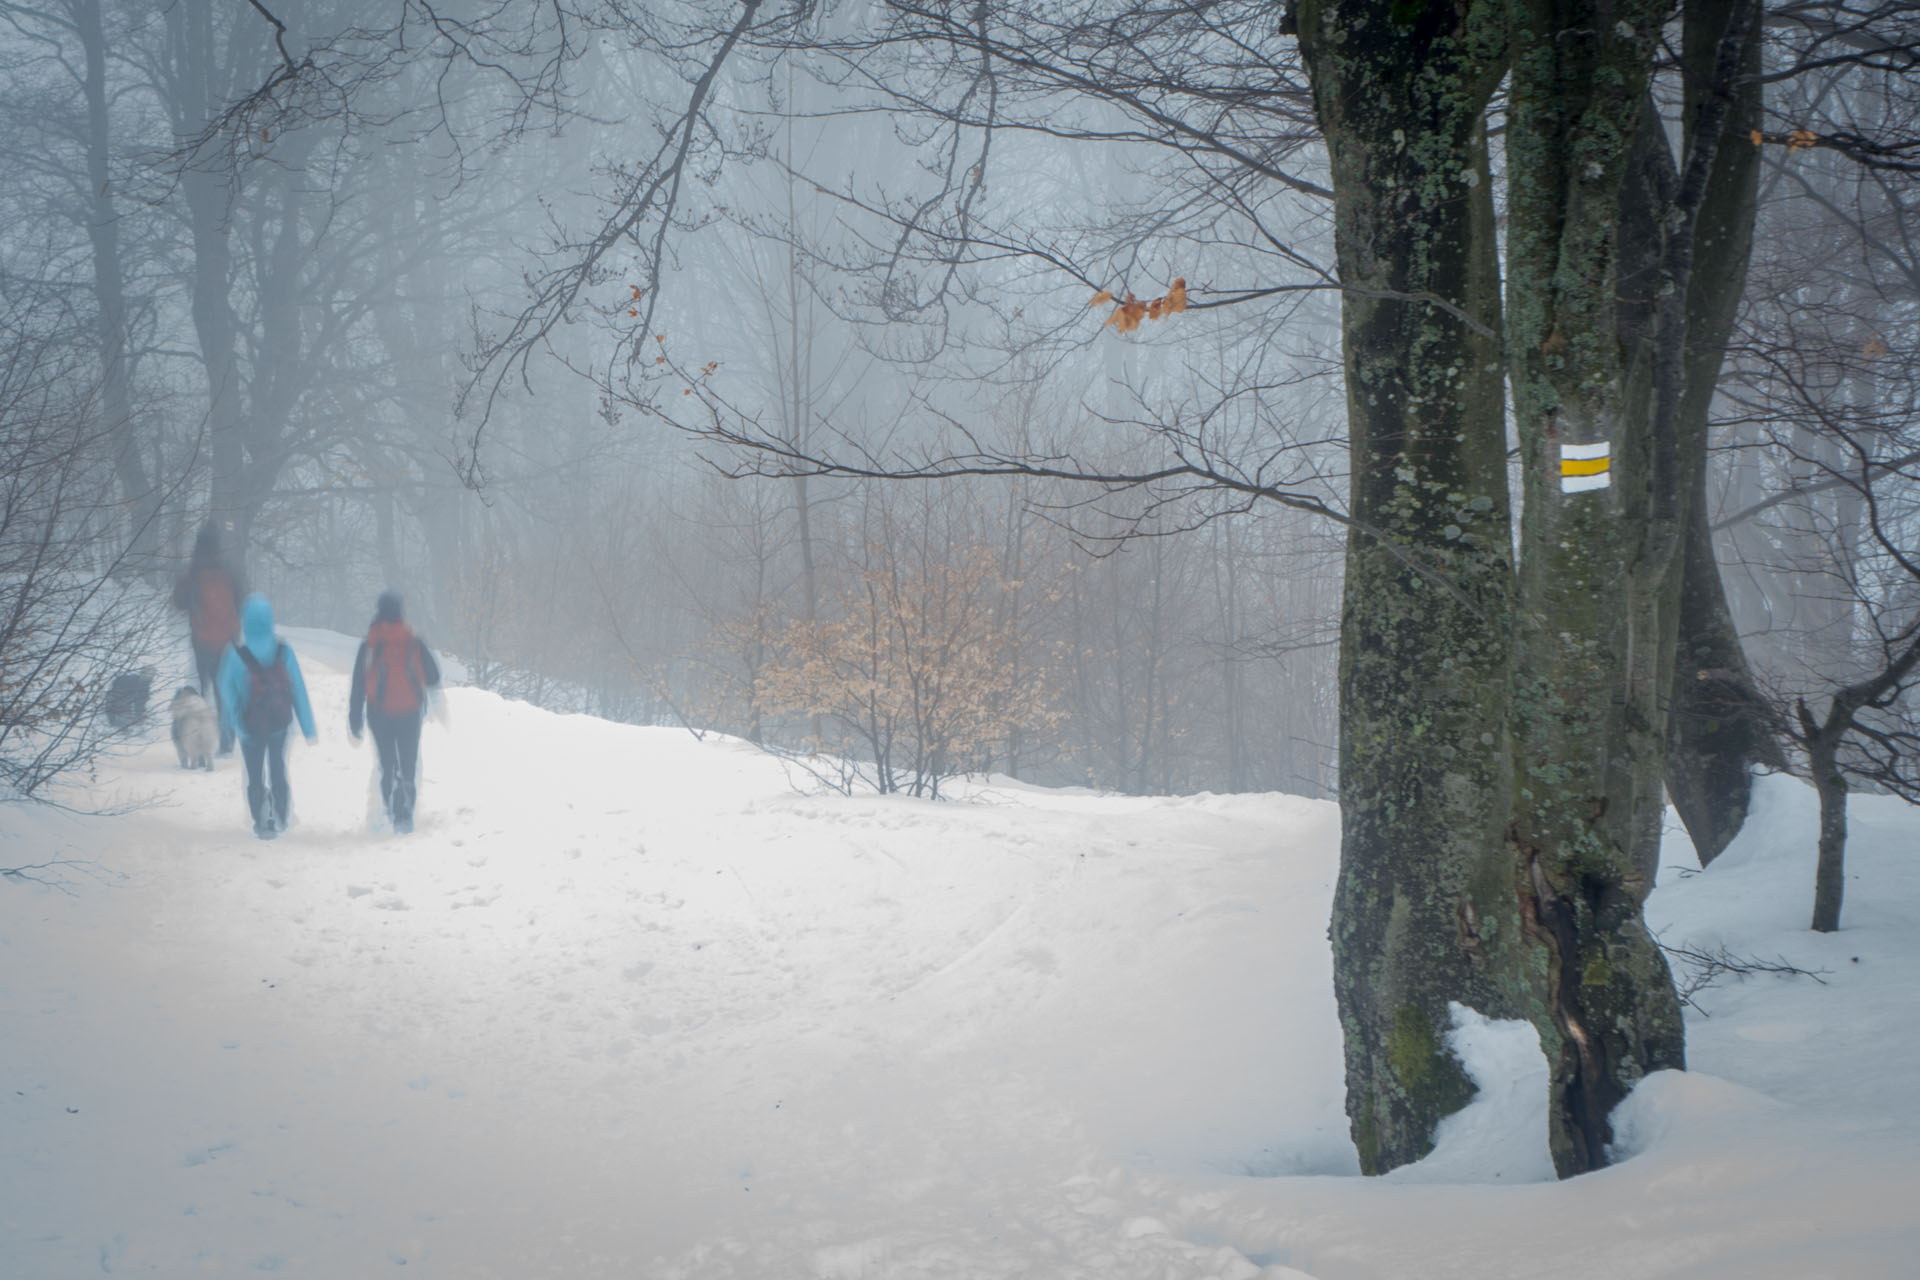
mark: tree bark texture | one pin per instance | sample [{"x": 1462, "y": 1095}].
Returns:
[
  {"x": 1718, "y": 730},
  {"x": 1830, "y": 871},
  {"x": 1596, "y": 559},
  {"x": 1426, "y": 908},
  {"x": 1505, "y": 733}
]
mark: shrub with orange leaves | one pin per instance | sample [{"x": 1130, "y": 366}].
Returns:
[{"x": 911, "y": 675}]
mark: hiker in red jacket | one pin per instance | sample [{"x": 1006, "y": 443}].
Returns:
[
  {"x": 392, "y": 675},
  {"x": 210, "y": 594}
]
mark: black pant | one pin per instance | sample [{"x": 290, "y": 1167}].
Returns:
[
  {"x": 397, "y": 738},
  {"x": 206, "y": 668},
  {"x": 269, "y": 798}
]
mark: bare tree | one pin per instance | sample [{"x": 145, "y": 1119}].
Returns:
[
  {"x": 69, "y": 624},
  {"x": 1823, "y": 401}
]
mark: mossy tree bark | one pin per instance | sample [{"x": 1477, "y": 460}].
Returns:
[
  {"x": 1426, "y": 910},
  {"x": 1504, "y": 735},
  {"x": 1603, "y": 573},
  {"x": 1596, "y": 375}
]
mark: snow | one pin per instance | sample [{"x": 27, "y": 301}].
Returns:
[
  {"x": 627, "y": 1004},
  {"x": 1501, "y": 1136}
]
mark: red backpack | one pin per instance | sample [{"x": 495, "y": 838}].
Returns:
[
  {"x": 214, "y": 619},
  {"x": 395, "y": 681}
]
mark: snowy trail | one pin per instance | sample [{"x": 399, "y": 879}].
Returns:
[{"x": 625, "y": 1004}]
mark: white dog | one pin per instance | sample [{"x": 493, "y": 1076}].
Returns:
[{"x": 194, "y": 733}]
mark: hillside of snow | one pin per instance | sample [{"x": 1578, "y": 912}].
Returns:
[{"x": 628, "y": 1004}]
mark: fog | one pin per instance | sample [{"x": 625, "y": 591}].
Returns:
[{"x": 693, "y": 363}]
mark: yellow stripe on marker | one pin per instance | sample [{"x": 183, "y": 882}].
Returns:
[{"x": 1585, "y": 467}]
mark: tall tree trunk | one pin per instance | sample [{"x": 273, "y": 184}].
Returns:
[
  {"x": 1718, "y": 728},
  {"x": 1610, "y": 465},
  {"x": 1233, "y": 669},
  {"x": 1425, "y": 909},
  {"x": 1596, "y": 545},
  {"x": 138, "y": 492},
  {"x": 1830, "y": 871},
  {"x": 209, "y": 198}
]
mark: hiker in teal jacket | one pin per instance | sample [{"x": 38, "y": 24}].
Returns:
[{"x": 261, "y": 693}]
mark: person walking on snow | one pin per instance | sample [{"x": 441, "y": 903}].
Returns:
[
  {"x": 209, "y": 592},
  {"x": 392, "y": 675},
  {"x": 261, "y": 692}
]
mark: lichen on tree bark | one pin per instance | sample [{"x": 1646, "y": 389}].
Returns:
[
  {"x": 1426, "y": 906},
  {"x": 1504, "y": 731}
]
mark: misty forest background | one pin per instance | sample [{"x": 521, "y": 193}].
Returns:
[{"x": 369, "y": 292}]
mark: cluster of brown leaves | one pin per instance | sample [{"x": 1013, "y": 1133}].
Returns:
[
  {"x": 1127, "y": 315},
  {"x": 1798, "y": 140}
]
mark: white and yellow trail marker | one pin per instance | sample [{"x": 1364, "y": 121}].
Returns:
[{"x": 1585, "y": 466}]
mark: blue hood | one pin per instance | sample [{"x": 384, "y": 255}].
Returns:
[{"x": 256, "y": 627}]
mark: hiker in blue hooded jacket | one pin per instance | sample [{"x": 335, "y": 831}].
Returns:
[{"x": 261, "y": 692}]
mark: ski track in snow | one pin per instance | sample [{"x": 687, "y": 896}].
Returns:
[{"x": 625, "y": 1004}]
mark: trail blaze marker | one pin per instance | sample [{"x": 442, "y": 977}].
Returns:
[{"x": 1585, "y": 466}]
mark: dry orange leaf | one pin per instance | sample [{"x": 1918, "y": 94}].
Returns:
[
  {"x": 1127, "y": 316},
  {"x": 1105, "y": 295}
]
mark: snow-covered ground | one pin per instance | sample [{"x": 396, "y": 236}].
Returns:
[{"x": 628, "y": 1005}]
